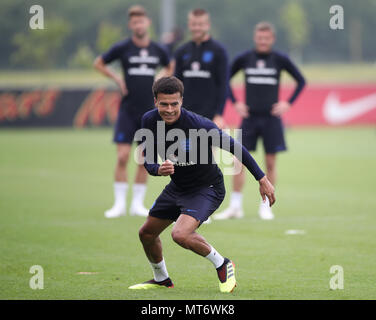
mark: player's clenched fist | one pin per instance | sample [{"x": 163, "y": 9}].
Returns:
[{"x": 166, "y": 168}]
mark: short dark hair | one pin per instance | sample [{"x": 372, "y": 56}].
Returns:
[
  {"x": 264, "y": 26},
  {"x": 137, "y": 11},
  {"x": 198, "y": 12},
  {"x": 168, "y": 85}
]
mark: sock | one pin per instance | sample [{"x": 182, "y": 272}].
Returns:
[
  {"x": 215, "y": 258},
  {"x": 266, "y": 203},
  {"x": 224, "y": 262},
  {"x": 159, "y": 270},
  {"x": 120, "y": 192},
  {"x": 139, "y": 190},
  {"x": 236, "y": 200}
]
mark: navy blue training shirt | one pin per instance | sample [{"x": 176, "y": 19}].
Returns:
[
  {"x": 203, "y": 69},
  {"x": 139, "y": 67},
  {"x": 262, "y": 75},
  {"x": 192, "y": 174}
]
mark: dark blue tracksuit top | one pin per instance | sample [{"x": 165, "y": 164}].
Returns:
[
  {"x": 191, "y": 172},
  {"x": 203, "y": 69}
]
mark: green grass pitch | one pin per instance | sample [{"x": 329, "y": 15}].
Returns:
[{"x": 56, "y": 184}]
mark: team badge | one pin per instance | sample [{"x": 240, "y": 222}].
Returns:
[
  {"x": 144, "y": 53},
  {"x": 260, "y": 64},
  {"x": 207, "y": 56},
  {"x": 195, "y": 66}
]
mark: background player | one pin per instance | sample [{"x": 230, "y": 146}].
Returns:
[
  {"x": 202, "y": 65},
  {"x": 139, "y": 58},
  {"x": 172, "y": 38},
  {"x": 196, "y": 189},
  {"x": 261, "y": 113}
]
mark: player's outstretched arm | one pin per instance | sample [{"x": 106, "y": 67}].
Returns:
[
  {"x": 241, "y": 153},
  {"x": 227, "y": 143},
  {"x": 224, "y": 141}
]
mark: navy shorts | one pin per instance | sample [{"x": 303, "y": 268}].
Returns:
[
  {"x": 199, "y": 204},
  {"x": 269, "y": 128},
  {"x": 126, "y": 125}
]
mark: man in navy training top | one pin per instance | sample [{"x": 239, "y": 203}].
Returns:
[
  {"x": 196, "y": 188},
  {"x": 139, "y": 58},
  {"x": 202, "y": 65},
  {"x": 262, "y": 112}
]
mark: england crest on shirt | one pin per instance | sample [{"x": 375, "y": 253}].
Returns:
[
  {"x": 260, "y": 64},
  {"x": 195, "y": 65},
  {"x": 207, "y": 56},
  {"x": 144, "y": 53},
  {"x": 143, "y": 57},
  {"x": 196, "y": 72}
]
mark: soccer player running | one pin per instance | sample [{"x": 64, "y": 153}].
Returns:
[
  {"x": 202, "y": 65},
  {"x": 196, "y": 188},
  {"x": 139, "y": 58},
  {"x": 262, "y": 112}
]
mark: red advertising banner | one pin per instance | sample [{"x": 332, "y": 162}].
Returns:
[
  {"x": 316, "y": 106},
  {"x": 323, "y": 105}
]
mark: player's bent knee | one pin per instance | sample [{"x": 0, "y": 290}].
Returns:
[
  {"x": 145, "y": 235},
  {"x": 180, "y": 238}
]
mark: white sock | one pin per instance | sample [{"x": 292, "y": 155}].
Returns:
[
  {"x": 236, "y": 200},
  {"x": 120, "y": 192},
  {"x": 215, "y": 258},
  {"x": 139, "y": 190},
  {"x": 159, "y": 270},
  {"x": 266, "y": 203}
]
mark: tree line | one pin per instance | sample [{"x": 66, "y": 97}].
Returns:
[{"x": 76, "y": 31}]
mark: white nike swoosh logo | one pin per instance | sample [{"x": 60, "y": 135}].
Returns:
[{"x": 336, "y": 112}]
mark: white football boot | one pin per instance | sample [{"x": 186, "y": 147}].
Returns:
[
  {"x": 138, "y": 210},
  {"x": 265, "y": 212},
  {"x": 229, "y": 213},
  {"x": 115, "y": 212}
]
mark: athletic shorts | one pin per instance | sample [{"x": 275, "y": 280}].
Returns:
[
  {"x": 199, "y": 204},
  {"x": 126, "y": 125},
  {"x": 269, "y": 128}
]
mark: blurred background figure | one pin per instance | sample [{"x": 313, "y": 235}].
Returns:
[
  {"x": 262, "y": 110},
  {"x": 171, "y": 39},
  {"x": 139, "y": 57},
  {"x": 202, "y": 65}
]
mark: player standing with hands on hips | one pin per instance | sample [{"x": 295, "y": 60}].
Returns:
[
  {"x": 196, "y": 188},
  {"x": 262, "y": 112},
  {"x": 139, "y": 58}
]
